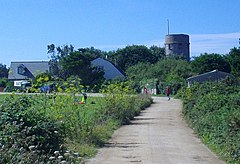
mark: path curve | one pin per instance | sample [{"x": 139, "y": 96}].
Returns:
[{"x": 158, "y": 135}]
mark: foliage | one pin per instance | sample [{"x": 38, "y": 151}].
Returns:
[
  {"x": 3, "y": 82},
  {"x": 121, "y": 104},
  {"x": 57, "y": 127},
  {"x": 3, "y": 71},
  {"x": 132, "y": 55},
  {"x": 78, "y": 64},
  {"x": 26, "y": 135},
  {"x": 39, "y": 81},
  {"x": 66, "y": 62},
  {"x": 212, "y": 109},
  {"x": 234, "y": 59},
  {"x": 171, "y": 71},
  {"x": 209, "y": 62}
]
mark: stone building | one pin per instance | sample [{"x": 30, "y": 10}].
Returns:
[{"x": 177, "y": 45}]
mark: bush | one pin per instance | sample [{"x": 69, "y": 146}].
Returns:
[
  {"x": 26, "y": 135},
  {"x": 213, "y": 110},
  {"x": 33, "y": 128}
]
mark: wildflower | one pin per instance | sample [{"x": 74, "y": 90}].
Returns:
[
  {"x": 56, "y": 152},
  {"x": 31, "y": 147},
  {"x": 51, "y": 158},
  {"x": 56, "y": 132},
  {"x": 60, "y": 157},
  {"x": 64, "y": 162}
]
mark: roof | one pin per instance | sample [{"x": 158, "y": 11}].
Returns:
[
  {"x": 27, "y": 69},
  {"x": 110, "y": 71},
  {"x": 210, "y": 76}
]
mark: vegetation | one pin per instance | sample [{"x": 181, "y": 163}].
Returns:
[
  {"x": 3, "y": 82},
  {"x": 209, "y": 62},
  {"x": 42, "y": 128},
  {"x": 212, "y": 110},
  {"x": 170, "y": 71},
  {"x": 3, "y": 71},
  {"x": 29, "y": 124}
]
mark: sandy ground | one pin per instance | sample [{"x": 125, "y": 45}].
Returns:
[{"x": 158, "y": 135}]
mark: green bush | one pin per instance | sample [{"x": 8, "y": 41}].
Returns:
[
  {"x": 26, "y": 135},
  {"x": 34, "y": 127},
  {"x": 213, "y": 110}
]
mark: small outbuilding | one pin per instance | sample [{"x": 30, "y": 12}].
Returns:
[{"x": 214, "y": 75}]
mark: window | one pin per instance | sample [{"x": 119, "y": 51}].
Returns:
[{"x": 21, "y": 69}]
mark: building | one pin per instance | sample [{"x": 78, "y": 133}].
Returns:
[
  {"x": 21, "y": 72},
  {"x": 110, "y": 71},
  {"x": 214, "y": 75},
  {"x": 177, "y": 45}
]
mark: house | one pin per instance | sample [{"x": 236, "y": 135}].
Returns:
[
  {"x": 214, "y": 75},
  {"x": 21, "y": 72},
  {"x": 110, "y": 71}
]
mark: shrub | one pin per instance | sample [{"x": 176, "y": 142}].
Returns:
[
  {"x": 26, "y": 135},
  {"x": 213, "y": 110}
]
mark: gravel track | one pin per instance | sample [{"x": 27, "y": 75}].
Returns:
[{"x": 158, "y": 135}]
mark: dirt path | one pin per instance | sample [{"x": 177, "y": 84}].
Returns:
[{"x": 158, "y": 135}]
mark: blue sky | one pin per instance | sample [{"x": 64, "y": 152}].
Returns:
[{"x": 28, "y": 26}]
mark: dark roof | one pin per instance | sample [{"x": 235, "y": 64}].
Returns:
[
  {"x": 214, "y": 75},
  {"x": 27, "y": 69}
]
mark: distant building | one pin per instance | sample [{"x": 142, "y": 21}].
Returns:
[
  {"x": 214, "y": 75},
  {"x": 110, "y": 71},
  {"x": 21, "y": 72},
  {"x": 177, "y": 45}
]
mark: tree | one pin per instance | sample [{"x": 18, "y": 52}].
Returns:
[
  {"x": 57, "y": 53},
  {"x": 157, "y": 53},
  {"x": 169, "y": 70},
  {"x": 209, "y": 62},
  {"x": 3, "y": 71},
  {"x": 132, "y": 55},
  {"x": 77, "y": 64},
  {"x": 92, "y": 53},
  {"x": 234, "y": 59}
]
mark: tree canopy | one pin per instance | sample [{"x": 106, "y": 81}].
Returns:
[
  {"x": 3, "y": 71},
  {"x": 132, "y": 55},
  {"x": 234, "y": 59},
  {"x": 209, "y": 62}
]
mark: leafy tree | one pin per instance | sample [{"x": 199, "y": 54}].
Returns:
[
  {"x": 92, "y": 53},
  {"x": 208, "y": 62},
  {"x": 157, "y": 53},
  {"x": 132, "y": 55},
  {"x": 234, "y": 59},
  {"x": 77, "y": 64},
  {"x": 57, "y": 53},
  {"x": 169, "y": 70},
  {"x": 3, "y": 71}
]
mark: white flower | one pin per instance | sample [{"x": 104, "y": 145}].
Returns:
[
  {"x": 51, "y": 158},
  {"x": 31, "y": 147},
  {"x": 60, "y": 157}
]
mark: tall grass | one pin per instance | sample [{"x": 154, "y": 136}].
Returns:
[{"x": 78, "y": 128}]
